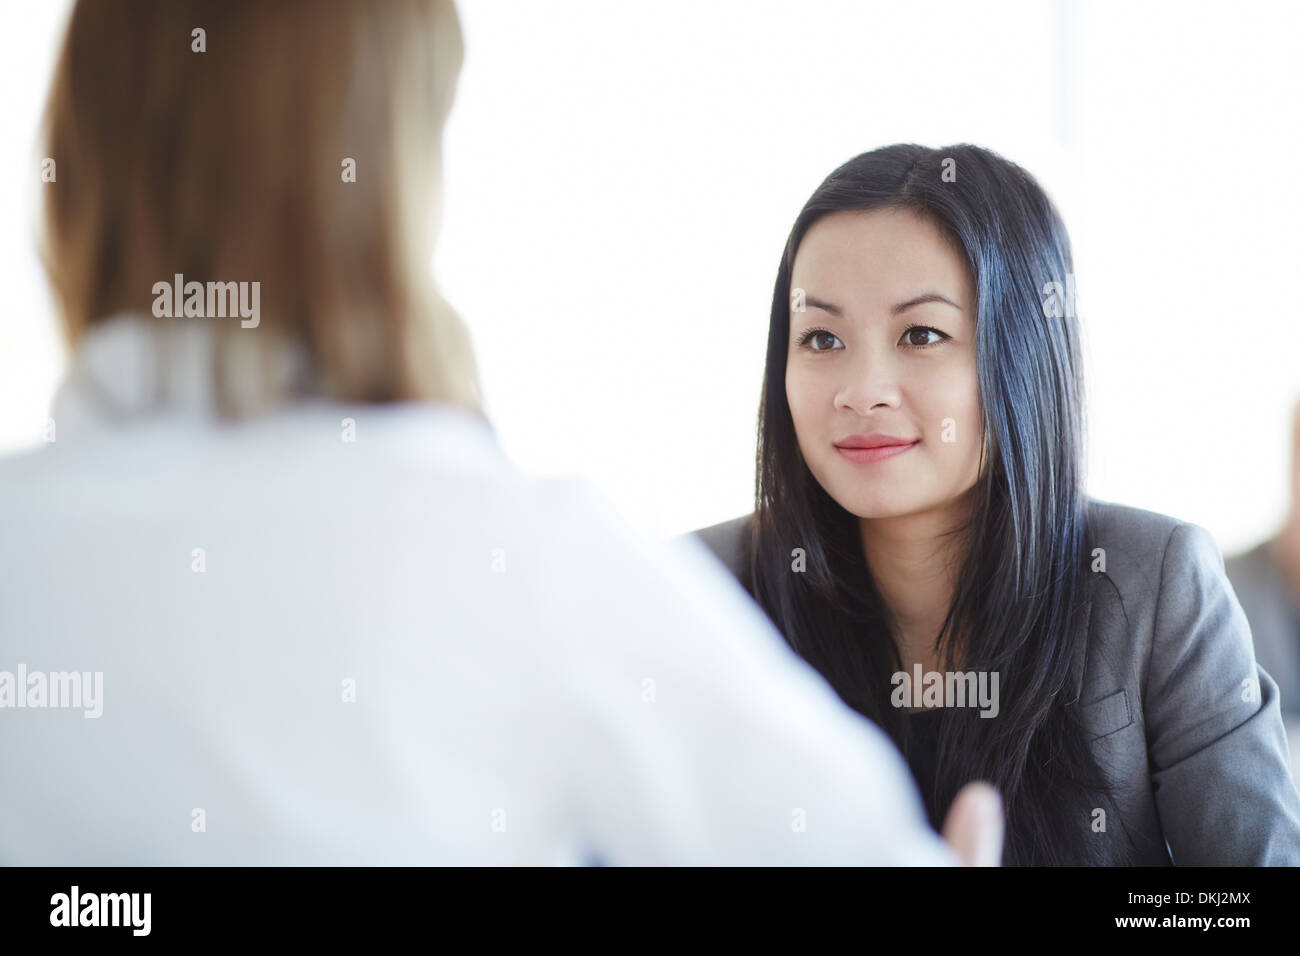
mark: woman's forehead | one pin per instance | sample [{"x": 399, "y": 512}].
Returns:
[{"x": 877, "y": 255}]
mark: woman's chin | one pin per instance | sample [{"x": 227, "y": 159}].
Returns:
[{"x": 893, "y": 505}]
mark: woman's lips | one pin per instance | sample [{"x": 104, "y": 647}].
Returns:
[{"x": 865, "y": 456}]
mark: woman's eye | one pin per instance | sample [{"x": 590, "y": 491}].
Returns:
[
  {"x": 913, "y": 336},
  {"x": 819, "y": 340}
]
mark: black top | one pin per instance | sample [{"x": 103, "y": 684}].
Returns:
[{"x": 921, "y": 751}]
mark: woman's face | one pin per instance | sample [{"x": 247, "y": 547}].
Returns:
[{"x": 866, "y": 277}]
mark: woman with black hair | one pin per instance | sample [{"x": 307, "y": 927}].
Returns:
[{"x": 922, "y": 537}]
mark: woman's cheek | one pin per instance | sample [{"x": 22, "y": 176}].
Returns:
[
  {"x": 802, "y": 398},
  {"x": 952, "y": 405}
]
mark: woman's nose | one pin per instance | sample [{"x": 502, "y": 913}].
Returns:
[{"x": 869, "y": 382}]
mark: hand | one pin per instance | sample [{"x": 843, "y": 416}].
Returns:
[{"x": 975, "y": 825}]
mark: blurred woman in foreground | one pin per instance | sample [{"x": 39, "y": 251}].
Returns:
[{"x": 274, "y": 592}]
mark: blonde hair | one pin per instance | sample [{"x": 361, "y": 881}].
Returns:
[{"x": 227, "y": 164}]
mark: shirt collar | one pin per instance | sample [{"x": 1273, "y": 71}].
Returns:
[{"x": 128, "y": 366}]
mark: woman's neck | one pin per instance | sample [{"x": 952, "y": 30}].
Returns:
[{"x": 915, "y": 560}]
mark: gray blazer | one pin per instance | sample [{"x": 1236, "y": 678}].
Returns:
[{"x": 1185, "y": 721}]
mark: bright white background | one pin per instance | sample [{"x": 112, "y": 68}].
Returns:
[{"x": 622, "y": 177}]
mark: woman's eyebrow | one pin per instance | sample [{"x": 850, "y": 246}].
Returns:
[
  {"x": 895, "y": 310},
  {"x": 921, "y": 300}
]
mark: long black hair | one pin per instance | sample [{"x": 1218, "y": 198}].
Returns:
[{"x": 1022, "y": 587}]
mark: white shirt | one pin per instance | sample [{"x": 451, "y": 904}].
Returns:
[{"x": 531, "y": 682}]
